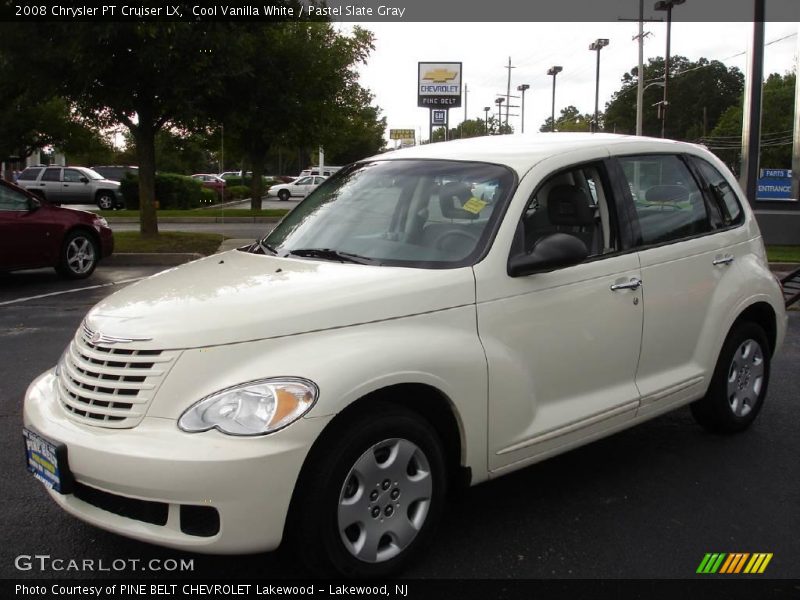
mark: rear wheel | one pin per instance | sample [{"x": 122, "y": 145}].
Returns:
[
  {"x": 284, "y": 195},
  {"x": 79, "y": 256},
  {"x": 370, "y": 496},
  {"x": 739, "y": 383},
  {"x": 105, "y": 200}
]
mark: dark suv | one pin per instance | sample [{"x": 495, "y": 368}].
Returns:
[{"x": 72, "y": 185}]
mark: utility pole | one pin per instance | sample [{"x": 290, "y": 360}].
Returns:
[
  {"x": 486, "y": 110},
  {"x": 508, "y": 89},
  {"x": 666, "y": 5},
  {"x": 466, "y": 91},
  {"x": 640, "y": 87},
  {"x": 640, "y": 73}
]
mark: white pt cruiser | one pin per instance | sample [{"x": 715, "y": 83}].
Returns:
[{"x": 429, "y": 318}]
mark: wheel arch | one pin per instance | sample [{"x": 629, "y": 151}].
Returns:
[
  {"x": 425, "y": 400},
  {"x": 762, "y": 314},
  {"x": 81, "y": 228}
]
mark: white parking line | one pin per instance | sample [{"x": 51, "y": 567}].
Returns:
[{"x": 83, "y": 289}]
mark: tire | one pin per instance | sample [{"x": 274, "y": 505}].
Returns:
[
  {"x": 284, "y": 195},
  {"x": 387, "y": 464},
  {"x": 105, "y": 200},
  {"x": 739, "y": 384},
  {"x": 79, "y": 256}
]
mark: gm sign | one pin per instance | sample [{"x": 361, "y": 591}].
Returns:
[{"x": 439, "y": 85}]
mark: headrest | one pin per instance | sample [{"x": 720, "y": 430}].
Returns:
[
  {"x": 569, "y": 205},
  {"x": 452, "y": 196},
  {"x": 667, "y": 193}
]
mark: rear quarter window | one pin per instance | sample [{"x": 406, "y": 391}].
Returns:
[
  {"x": 29, "y": 174},
  {"x": 722, "y": 194}
]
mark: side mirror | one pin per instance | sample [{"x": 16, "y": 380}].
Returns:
[
  {"x": 84, "y": 180},
  {"x": 551, "y": 252},
  {"x": 34, "y": 204}
]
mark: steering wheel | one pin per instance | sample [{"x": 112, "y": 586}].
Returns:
[{"x": 439, "y": 241}]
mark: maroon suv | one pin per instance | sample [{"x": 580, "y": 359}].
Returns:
[{"x": 36, "y": 234}]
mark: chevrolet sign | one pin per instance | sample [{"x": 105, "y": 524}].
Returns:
[{"x": 439, "y": 85}]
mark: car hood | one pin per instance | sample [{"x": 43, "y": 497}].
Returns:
[
  {"x": 237, "y": 296},
  {"x": 109, "y": 182}
]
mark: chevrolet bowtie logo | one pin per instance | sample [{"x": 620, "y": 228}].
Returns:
[{"x": 440, "y": 75}]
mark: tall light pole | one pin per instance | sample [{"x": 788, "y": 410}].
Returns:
[
  {"x": 554, "y": 70},
  {"x": 597, "y": 45},
  {"x": 486, "y": 110},
  {"x": 522, "y": 88},
  {"x": 666, "y": 5},
  {"x": 499, "y": 102}
]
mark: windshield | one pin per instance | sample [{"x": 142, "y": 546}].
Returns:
[
  {"x": 418, "y": 213},
  {"x": 92, "y": 174}
]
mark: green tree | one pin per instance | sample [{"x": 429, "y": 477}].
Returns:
[
  {"x": 777, "y": 121},
  {"x": 142, "y": 75},
  {"x": 302, "y": 92},
  {"x": 570, "y": 119},
  {"x": 473, "y": 128},
  {"x": 699, "y": 92}
]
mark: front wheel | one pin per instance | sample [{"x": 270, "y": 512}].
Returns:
[
  {"x": 739, "y": 384},
  {"x": 79, "y": 256},
  {"x": 284, "y": 195},
  {"x": 369, "y": 499}
]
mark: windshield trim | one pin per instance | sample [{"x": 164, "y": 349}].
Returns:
[{"x": 486, "y": 240}]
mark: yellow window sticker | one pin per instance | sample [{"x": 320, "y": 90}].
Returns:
[{"x": 474, "y": 205}]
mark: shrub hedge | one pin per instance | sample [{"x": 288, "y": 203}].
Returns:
[{"x": 173, "y": 191}]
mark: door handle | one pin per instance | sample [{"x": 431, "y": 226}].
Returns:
[
  {"x": 633, "y": 284},
  {"x": 725, "y": 260}
]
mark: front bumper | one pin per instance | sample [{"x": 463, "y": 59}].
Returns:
[{"x": 249, "y": 481}]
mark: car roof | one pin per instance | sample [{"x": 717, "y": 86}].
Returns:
[{"x": 523, "y": 151}]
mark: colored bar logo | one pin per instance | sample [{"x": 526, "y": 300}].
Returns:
[{"x": 734, "y": 563}]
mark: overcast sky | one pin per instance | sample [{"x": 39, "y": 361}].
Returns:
[{"x": 484, "y": 48}]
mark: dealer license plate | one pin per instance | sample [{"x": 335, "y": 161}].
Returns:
[{"x": 47, "y": 461}]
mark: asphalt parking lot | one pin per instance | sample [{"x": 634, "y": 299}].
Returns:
[{"x": 646, "y": 503}]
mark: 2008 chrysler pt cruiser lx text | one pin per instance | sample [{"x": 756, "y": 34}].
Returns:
[{"x": 427, "y": 318}]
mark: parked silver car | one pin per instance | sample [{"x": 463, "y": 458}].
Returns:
[{"x": 72, "y": 185}]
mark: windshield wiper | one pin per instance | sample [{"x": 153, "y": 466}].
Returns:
[{"x": 330, "y": 254}]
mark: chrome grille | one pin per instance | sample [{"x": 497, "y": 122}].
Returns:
[{"x": 107, "y": 386}]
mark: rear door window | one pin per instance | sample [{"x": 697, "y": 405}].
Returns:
[
  {"x": 668, "y": 201},
  {"x": 52, "y": 175}
]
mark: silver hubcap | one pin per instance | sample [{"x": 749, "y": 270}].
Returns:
[
  {"x": 384, "y": 500},
  {"x": 80, "y": 255},
  {"x": 745, "y": 377},
  {"x": 105, "y": 202}
]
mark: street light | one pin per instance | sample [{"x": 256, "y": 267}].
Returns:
[
  {"x": 499, "y": 103},
  {"x": 486, "y": 110},
  {"x": 666, "y": 5},
  {"x": 522, "y": 88},
  {"x": 555, "y": 70},
  {"x": 597, "y": 45}
]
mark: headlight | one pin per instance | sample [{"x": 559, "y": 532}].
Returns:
[
  {"x": 101, "y": 221},
  {"x": 253, "y": 408}
]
